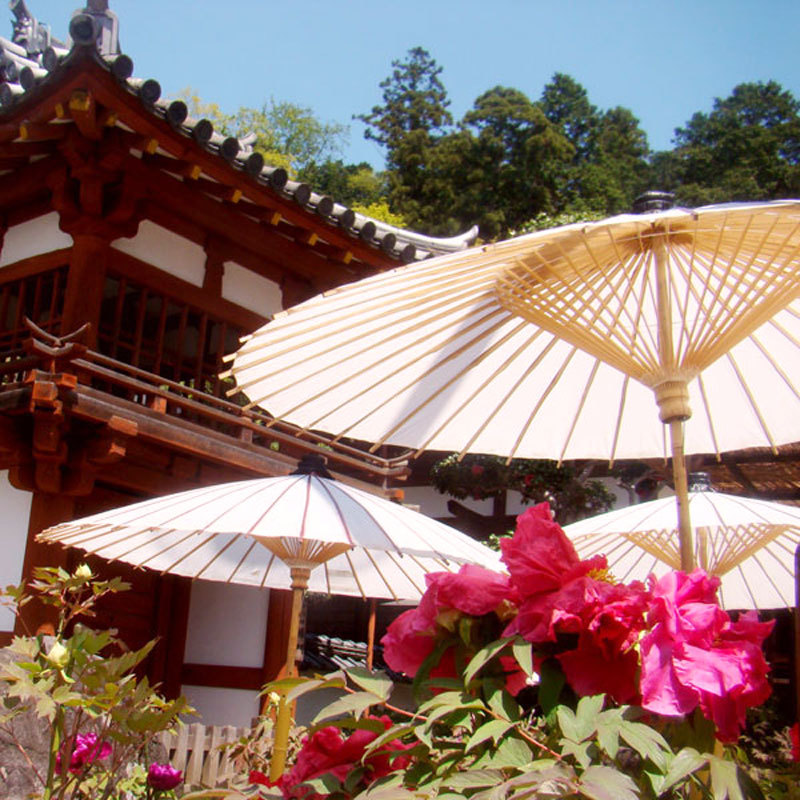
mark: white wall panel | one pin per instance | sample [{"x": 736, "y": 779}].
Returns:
[
  {"x": 32, "y": 238},
  {"x": 251, "y": 291},
  {"x": 166, "y": 250},
  {"x": 16, "y": 507}
]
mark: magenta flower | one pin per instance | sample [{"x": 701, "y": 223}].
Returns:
[
  {"x": 327, "y": 751},
  {"x": 694, "y": 655},
  {"x": 561, "y": 596},
  {"x": 85, "y": 751},
  {"x": 163, "y": 777},
  {"x": 411, "y": 638}
]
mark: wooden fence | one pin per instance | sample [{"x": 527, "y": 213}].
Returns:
[{"x": 197, "y": 751}]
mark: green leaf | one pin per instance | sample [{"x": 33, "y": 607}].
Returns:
[
  {"x": 523, "y": 653},
  {"x": 491, "y": 730},
  {"x": 647, "y": 741},
  {"x": 311, "y": 685},
  {"x": 724, "y": 779},
  {"x": 551, "y": 682},
  {"x": 607, "y": 783},
  {"x": 349, "y": 704},
  {"x": 503, "y": 704},
  {"x": 586, "y": 715},
  {"x": 511, "y": 752},
  {"x": 379, "y": 683},
  {"x": 567, "y": 723},
  {"x": 484, "y": 655},
  {"x": 474, "y": 778}
]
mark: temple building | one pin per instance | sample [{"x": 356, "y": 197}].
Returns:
[{"x": 137, "y": 245}]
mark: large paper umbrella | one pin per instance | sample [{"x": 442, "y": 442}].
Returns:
[
  {"x": 235, "y": 531},
  {"x": 561, "y": 344},
  {"x": 749, "y": 544}
]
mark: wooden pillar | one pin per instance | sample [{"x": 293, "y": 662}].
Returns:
[
  {"x": 172, "y": 622},
  {"x": 277, "y": 637},
  {"x": 83, "y": 295},
  {"x": 46, "y": 510}
]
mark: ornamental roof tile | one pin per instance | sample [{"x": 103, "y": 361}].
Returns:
[{"x": 32, "y": 57}]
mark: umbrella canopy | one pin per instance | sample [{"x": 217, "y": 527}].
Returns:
[
  {"x": 749, "y": 544},
  {"x": 562, "y": 344},
  {"x": 432, "y": 356},
  {"x": 224, "y": 533}
]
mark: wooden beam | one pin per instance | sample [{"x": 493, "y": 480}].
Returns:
[
  {"x": 83, "y": 110},
  {"x": 216, "y": 217},
  {"x": 43, "y": 131},
  {"x": 221, "y": 676},
  {"x": 34, "y": 265},
  {"x": 28, "y": 183},
  {"x": 134, "y": 115},
  {"x": 46, "y": 510}
]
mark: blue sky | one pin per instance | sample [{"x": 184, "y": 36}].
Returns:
[{"x": 663, "y": 60}]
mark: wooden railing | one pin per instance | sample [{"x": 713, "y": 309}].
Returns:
[{"x": 173, "y": 399}]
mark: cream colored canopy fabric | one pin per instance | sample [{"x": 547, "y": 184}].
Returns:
[
  {"x": 549, "y": 345},
  {"x": 749, "y": 544},
  {"x": 219, "y": 533}
]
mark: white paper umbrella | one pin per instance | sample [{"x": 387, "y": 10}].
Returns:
[
  {"x": 572, "y": 343},
  {"x": 309, "y": 524},
  {"x": 220, "y": 533},
  {"x": 749, "y": 544}
]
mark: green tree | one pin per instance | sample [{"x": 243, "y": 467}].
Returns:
[
  {"x": 746, "y": 148},
  {"x": 516, "y": 161},
  {"x": 610, "y": 163},
  {"x": 350, "y": 184},
  {"x": 410, "y": 124},
  {"x": 287, "y": 135}
]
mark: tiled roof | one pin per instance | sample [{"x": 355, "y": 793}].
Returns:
[{"x": 32, "y": 56}]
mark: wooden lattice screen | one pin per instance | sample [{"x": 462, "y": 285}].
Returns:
[{"x": 164, "y": 335}]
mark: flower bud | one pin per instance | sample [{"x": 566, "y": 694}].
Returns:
[
  {"x": 58, "y": 655},
  {"x": 84, "y": 572}
]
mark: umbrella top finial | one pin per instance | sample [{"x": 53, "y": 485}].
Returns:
[
  {"x": 653, "y": 201},
  {"x": 313, "y": 464}
]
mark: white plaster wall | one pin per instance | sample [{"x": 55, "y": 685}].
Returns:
[
  {"x": 222, "y": 706},
  {"x": 16, "y": 509},
  {"x": 227, "y": 626},
  {"x": 166, "y": 250},
  {"x": 32, "y": 238},
  {"x": 251, "y": 291},
  {"x": 434, "y": 504}
]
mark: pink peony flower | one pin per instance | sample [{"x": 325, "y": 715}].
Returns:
[
  {"x": 794, "y": 737},
  {"x": 694, "y": 655},
  {"x": 85, "y": 751},
  {"x": 561, "y": 596},
  {"x": 411, "y": 638},
  {"x": 163, "y": 777},
  {"x": 328, "y": 752}
]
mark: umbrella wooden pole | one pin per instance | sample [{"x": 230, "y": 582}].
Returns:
[
  {"x": 373, "y": 608},
  {"x": 682, "y": 495},
  {"x": 283, "y": 723}
]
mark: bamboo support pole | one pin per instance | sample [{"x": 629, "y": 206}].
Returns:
[
  {"x": 300, "y": 576},
  {"x": 681, "y": 495},
  {"x": 373, "y": 610}
]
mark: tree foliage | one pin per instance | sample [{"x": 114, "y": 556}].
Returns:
[
  {"x": 287, "y": 135},
  {"x": 746, "y": 148}
]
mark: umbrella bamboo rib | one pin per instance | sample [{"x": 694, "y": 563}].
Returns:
[
  {"x": 490, "y": 417},
  {"x": 753, "y": 404},
  {"x": 408, "y": 313},
  {"x": 430, "y": 398},
  {"x": 407, "y": 365},
  {"x": 539, "y": 403}
]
